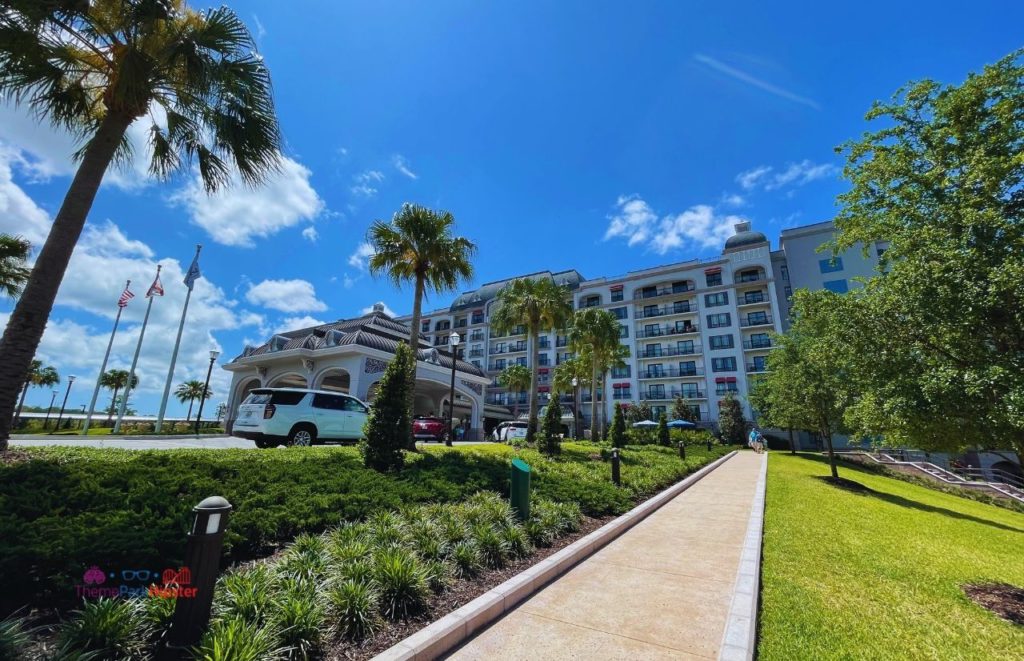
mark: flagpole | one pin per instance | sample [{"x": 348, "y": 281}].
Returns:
[
  {"x": 177, "y": 344},
  {"x": 103, "y": 368},
  {"x": 135, "y": 360}
]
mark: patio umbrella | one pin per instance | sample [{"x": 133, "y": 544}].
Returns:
[
  {"x": 645, "y": 423},
  {"x": 681, "y": 424}
]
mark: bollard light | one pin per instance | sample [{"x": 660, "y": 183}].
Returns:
[
  {"x": 616, "y": 476},
  {"x": 682, "y": 449},
  {"x": 202, "y": 564},
  {"x": 453, "y": 339}
]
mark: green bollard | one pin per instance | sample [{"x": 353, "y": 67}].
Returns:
[{"x": 520, "y": 492}]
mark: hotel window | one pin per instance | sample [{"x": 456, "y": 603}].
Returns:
[
  {"x": 476, "y": 363},
  {"x": 689, "y": 391},
  {"x": 499, "y": 364},
  {"x": 620, "y": 313},
  {"x": 726, "y": 386},
  {"x": 720, "y": 320},
  {"x": 784, "y": 271},
  {"x": 652, "y": 350},
  {"x": 723, "y": 364},
  {"x": 722, "y": 342},
  {"x": 680, "y": 287},
  {"x": 688, "y": 368},
  {"x": 713, "y": 279},
  {"x": 714, "y": 300},
  {"x": 837, "y": 286},
  {"x": 759, "y": 363},
  {"x": 623, "y": 332},
  {"x": 656, "y": 391},
  {"x": 655, "y": 369},
  {"x": 620, "y": 372},
  {"x": 656, "y": 411},
  {"x": 684, "y": 326},
  {"x": 652, "y": 330},
  {"x": 616, "y": 295},
  {"x": 830, "y": 265},
  {"x": 760, "y": 341},
  {"x": 681, "y": 306},
  {"x": 478, "y": 318},
  {"x": 591, "y": 301},
  {"x": 684, "y": 347},
  {"x": 425, "y": 326},
  {"x": 788, "y": 291},
  {"x": 757, "y": 318},
  {"x": 498, "y": 348},
  {"x": 521, "y": 361},
  {"x": 650, "y": 310}
]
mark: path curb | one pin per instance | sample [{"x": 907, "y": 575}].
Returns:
[{"x": 450, "y": 631}]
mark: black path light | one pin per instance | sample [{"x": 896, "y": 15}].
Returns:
[
  {"x": 576, "y": 408},
  {"x": 454, "y": 340},
  {"x": 616, "y": 476},
  {"x": 195, "y": 580},
  {"x": 206, "y": 387},
  {"x": 46, "y": 422},
  {"x": 682, "y": 449},
  {"x": 71, "y": 380}
]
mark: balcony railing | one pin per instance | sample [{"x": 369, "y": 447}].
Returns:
[
  {"x": 670, "y": 372},
  {"x": 544, "y": 344},
  {"x": 515, "y": 348},
  {"x": 653, "y": 292},
  {"x": 661, "y": 352},
  {"x": 477, "y": 320},
  {"x": 678, "y": 308},
  {"x": 476, "y": 353},
  {"x": 721, "y": 392},
  {"x": 750, "y": 277},
  {"x": 667, "y": 331},
  {"x": 750, "y": 299},
  {"x": 622, "y": 394},
  {"x": 755, "y": 368},
  {"x": 672, "y": 393},
  {"x": 462, "y": 323},
  {"x": 756, "y": 320},
  {"x": 757, "y": 344},
  {"x": 476, "y": 336}
]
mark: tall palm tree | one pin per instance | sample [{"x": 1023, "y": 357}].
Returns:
[
  {"x": 594, "y": 337},
  {"x": 190, "y": 391},
  {"x": 418, "y": 246},
  {"x": 561, "y": 380},
  {"x": 116, "y": 380},
  {"x": 13, "y": 257},
  {"x": 93, "y": 68},
  {"x": 516, "y": 378},
  {"x": 539, "y": 305},
  {"x": 37, "y": 376}
]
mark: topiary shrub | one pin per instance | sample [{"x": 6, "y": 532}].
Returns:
[
  {"x": 388, "y": 427},
  {"x": 664, "y": 438},
  {"x": 730, "y": 421},
  {"x": 551, "y": 441},
  {"x": 618, "y": 432}
]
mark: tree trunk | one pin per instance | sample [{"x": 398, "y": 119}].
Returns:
[
  {"x": 188, "y": 416},
  {"x": 604, "y": 404},
  {"x": 593, "y": 400},
  {"x": 792, "y": 443},
  {"x": 414, "y": 343},
  {"x": 21, "y": 403},
  {"x": 113, "y": 406},
  {"x": 827, "y": 433},
  {"x": 531, "y": 425},
  {"x": 28, "y": 321}
]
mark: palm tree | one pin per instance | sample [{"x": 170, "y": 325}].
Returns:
[
  {"x": 594, "y": 337},
  {"x": 38, "y": 376},
  {"x": 190, "y": 391},
  {"x": 94, "y": 68},
  {"x": 561, "y": 380},
  {"x": 539, "y": 305},
  {"x": 418, "y": 246},
  {"x": 516, "y": 378},
  {"x": 13, "y": 256},
  {"x": 115, "y": 380}
]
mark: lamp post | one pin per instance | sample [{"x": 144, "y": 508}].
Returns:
[
  {"x": 46, "y": 422},
  {"x": 206, "y": 386},
  {"x": 453, "y": 340},
  {"x": 576, "y": 408},
  {"x": 71, "y": 380}
]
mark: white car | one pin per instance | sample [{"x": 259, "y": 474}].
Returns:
[
  {"x": 507, "y": 431},
  {"x": 296, "y": 416}
]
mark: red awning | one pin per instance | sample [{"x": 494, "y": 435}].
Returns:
[
  {"x": 616, "y": 287},
  {"x": 543, "y": 388},
  {"x": 616, "y": 385},
  {"x": 716, "y": 269},
  {"x": 720, "y": 379},
  {"x": 542, "y": 370}
]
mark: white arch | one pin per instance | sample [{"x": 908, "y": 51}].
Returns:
[
  {"x": 333, "y": 372},
  {"x": 288, "y": 380}
]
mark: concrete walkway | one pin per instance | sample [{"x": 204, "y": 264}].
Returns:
[{"x": 673, "y": 587}]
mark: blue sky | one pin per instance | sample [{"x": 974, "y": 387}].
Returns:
[{"x": 601, "y": 136}]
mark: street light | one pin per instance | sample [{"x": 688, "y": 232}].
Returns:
[
  {"x": 71, "y": 379},
  {"x": 576, "y": 408},
  {"x": 46, "y": 422},
  {"x": 454, "y": 340},
  {"x": 206, "y": 386}
]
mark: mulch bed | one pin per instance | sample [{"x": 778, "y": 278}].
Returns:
[
  {"x": 460, "y": 593},
  {"x": 1006, "y": 601},
  {"x": 13, "y": 456}
]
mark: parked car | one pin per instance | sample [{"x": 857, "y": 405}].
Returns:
[
  {"x": 297, "y": 416},
  {"x": 506, "y": 431},
  {"x": 429, "y": 428}
]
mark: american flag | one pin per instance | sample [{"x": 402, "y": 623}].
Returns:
[
  {"x": 125, "y": 297},
  {"x": 157, "y": 288}
]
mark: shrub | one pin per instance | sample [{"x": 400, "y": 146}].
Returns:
[
  {"x": 388, "y": 428},
  {"x": 551, "y": 441},
  {"x": 15, "y": 636},
  {"x": 234, "y": 639},
  {"x": 110, "y": 628},
  {"x": 353, "y": 607},
  {"x": 618, "y": 433},
  {"x": 492, "y": 546},
  {"x": 664, "y": 439},
  {"x": 438, "y": 574},
  {"x": 182, "y": 427},
  {"x": 516, "y": 541},
  {"x": 467, "y": 559},
  {"x": 299, "y": 617},
  {"x": 245, "y": 594},
  {"x": 401, "y": 581},
  {"x": 730, "y": 421}
]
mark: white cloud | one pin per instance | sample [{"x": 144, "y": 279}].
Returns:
[
  {"x": 387, "y": 310},
  {"x": 733, "y": 200},
  {"x": 260, "y": 30},
  {"x": 296, "y": 323},
  {"x": 402, "y": 165},
  {"x": 794, "y": 174},
  {"x": 311, "y": 234},
  {"x": 700, "y": 226},
  {"x": 361, "y": 256},
  {"x": 107, "y": 240},
  {"x": 237, "y": 214},
  {"x": 749, "y": 79},
  {"x": 370, "y": 176},
  {"x": 19, "y": 214},
  {"x": 286, "y": 296},
  {"x": 348, "y": 281},
  {"x": 366, "y": 182}
]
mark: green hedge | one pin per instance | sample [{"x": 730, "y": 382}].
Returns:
[{"x": 70, "y": 508}]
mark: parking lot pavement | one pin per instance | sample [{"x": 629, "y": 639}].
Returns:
[{"x": 146, "y": 442}]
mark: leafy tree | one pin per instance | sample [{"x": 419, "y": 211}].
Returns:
[
  {"x": 639, "y": 412},
  {"x": 190, "y": 391},
  {"x": 389, "y": 424},
  {"x": 541, "y": 306},
  {"x": 664, "y": 438},
  {"x": 418, "y": 247},
  {"x": 942, "y": 181},
  {"x": 681, "y": 411},
  {"x": 730, "y": 420},
  {"x": 551, "y": 442},
  {"x": 115, "y": 380},
  {"x": 38, "y": 376},
  {"x": 516, "y": 378},
  {"x": 618, "y": 433},
  {"x": 594, "y": 337},
  {"x": 13, "y": 259},
  {"x": 95, "y": 68},
  {"x": 561, "y": 381},
  {"x": 776, "y": 406}
]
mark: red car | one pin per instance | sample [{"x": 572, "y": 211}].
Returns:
[{"x": 428, "y": 428}]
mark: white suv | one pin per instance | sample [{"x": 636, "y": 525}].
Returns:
[{"x": 298, "y": 416}]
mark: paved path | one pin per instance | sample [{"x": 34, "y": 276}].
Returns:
[{"x": 663, "y": 590}]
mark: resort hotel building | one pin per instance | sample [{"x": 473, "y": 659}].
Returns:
[{"x": 698, "y": 330}]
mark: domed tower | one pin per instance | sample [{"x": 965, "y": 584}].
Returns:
[{"x": 744, "y": 238}]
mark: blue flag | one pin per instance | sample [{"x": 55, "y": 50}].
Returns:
[{"x": 193, "y": 273}]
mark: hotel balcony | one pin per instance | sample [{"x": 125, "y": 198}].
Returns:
[
  {"x": 756, "y": 345},
  {"x": 743, "y": 278},
  {"x": 753, "y": 298},
  {"x": 670, "y": 373},
  {"x": 661, "y": 352},
  {"x": 752, "y": 320},
  {"x": 476, "y": 353},
  {"x": 622, "y": 394},
  {"x": 669, "y": 394},
  {"x": 655, "y": 292},
  {"x": 477, "y": 336},
  {"x": 756, "y": 368},
  {"x": 665, "y": 310},
  {"x": 668, "y": 331},
  {"x": 722, "y": 392}
]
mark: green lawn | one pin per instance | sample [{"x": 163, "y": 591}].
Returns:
[{"x": 877, "y": 575}]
